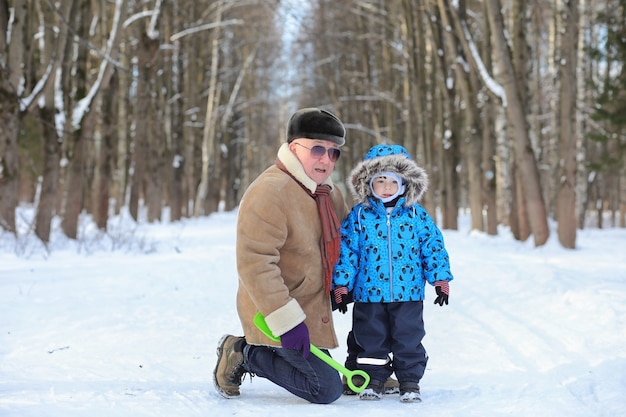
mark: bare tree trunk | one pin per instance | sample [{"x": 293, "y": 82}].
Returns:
[
  {"x": 229, "y": 174},
  {"x": 520, "y": 226},
  {"x": 452, "y": 124},
  {"x": 450, "y": 206},
  {"x": 192, "y": 149},
  {"x": 413, "y": 81},
  {"x": 587, "y": 70},
  {"x": 12, "y": 71},
  {"x": 105, "y": 161},
  {"x": 156, "y": 144},
  {"x": 467, "y": 86},
  {"x": 520, "y": 61},
  {"x": 80, "y": 114},
  {"x": 567, "y": 15},
  {"x": 419, "y": 126},
  {"x": 105, "y": 128},
  {"x": 150, "y": 139},
  {"x": 179, "y": 164},
  {"x": 53, "y": 52},
  {"x": 75, "y": 184},
  {"x": 76, "y": 79},
  {"x": 489, "y": 151},
  {"x": 138, "y": 162},
  {"x": 622, "y": 203},
  {"x": 524, "y": 155},
  {"x": 170, "y": 106},
  {"x": 489, "y": 176},
  {"x": 9, "y": 160},
  {"x": 448, "y": 149},
  {"x": 208, "y": 138},
  {"x": 121, "y": 175},
  {"x": 146, "y": 62},
  {"x": 160, "y": 126},
  {"x": 50, "y": 172}
]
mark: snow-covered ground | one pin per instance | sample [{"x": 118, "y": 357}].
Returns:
[{"x": 126, "y": 324}]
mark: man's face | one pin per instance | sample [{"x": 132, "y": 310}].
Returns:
[{"x": 317, "y": 165}]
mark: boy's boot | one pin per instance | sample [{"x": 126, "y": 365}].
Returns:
[
  {"x": 410, "y": 392},
  {"x": 374, "y": 391},
  {"x": 391, "y": 385}
]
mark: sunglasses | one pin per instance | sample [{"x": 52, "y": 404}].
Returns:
[{"x": 318, "y": 151}]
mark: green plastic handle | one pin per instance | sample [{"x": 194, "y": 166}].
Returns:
[{"x": 259, "y": 321}]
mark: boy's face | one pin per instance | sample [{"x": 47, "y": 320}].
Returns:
[
  {"x": 384, "y": 187},
  {"x": 317, "y": 167}
]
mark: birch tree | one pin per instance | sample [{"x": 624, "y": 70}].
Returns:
[
  {"x": 209, "y": 154},
  {"x": 524, "y": 155},
  {"x": 471, "y": 135},
  {"x": 567, "y": 61}
]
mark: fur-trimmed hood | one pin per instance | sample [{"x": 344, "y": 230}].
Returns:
[{"x": 394, "y": 158}]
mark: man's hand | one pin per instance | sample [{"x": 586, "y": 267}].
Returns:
[{"x": 298, "y": 339}]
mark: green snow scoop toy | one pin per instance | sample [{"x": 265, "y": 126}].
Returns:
[{"x": 259, "y": 321}]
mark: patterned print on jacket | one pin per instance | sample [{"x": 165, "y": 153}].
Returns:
[{"x": 387, "y": 257}]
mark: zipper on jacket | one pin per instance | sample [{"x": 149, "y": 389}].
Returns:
[{"x": 390, "y": 257}]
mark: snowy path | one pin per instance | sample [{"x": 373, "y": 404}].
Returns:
[{"x": 133, "y": 332}]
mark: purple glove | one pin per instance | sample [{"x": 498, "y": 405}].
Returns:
[{"x": 298, "y": 339}]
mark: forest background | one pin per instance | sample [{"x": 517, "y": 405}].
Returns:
[{"x": 516, "y": 109}]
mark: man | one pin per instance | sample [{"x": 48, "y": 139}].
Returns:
[{"x": 288, "y": 237}]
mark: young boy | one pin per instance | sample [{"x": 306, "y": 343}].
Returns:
[{"x": 390, "y": 247}]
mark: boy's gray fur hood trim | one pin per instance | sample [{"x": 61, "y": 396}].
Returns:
[{"x": 415, "y": 178}]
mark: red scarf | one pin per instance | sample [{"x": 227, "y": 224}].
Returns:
[{"x": 331, "y": 227}]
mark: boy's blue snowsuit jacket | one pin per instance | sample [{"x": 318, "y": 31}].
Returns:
[{"x": 387, "y": 257}]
